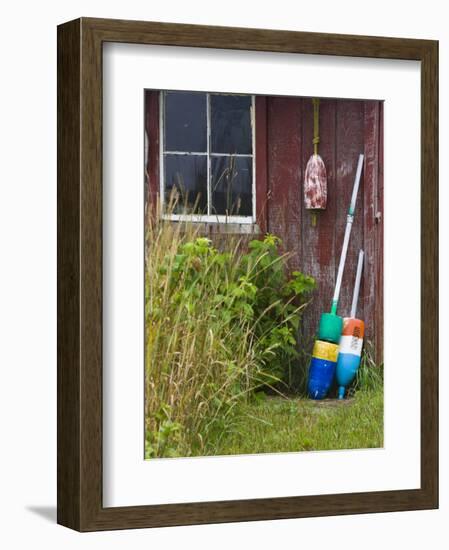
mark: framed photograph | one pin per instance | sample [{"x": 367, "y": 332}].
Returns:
[{"x": 247, "y": 274}]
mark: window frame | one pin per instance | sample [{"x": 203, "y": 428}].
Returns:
[{"x": 207, "y": 218}]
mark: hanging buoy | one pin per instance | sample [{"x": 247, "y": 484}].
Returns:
[
  {"x": 351, "y": 341},
  {"x": 315, "y": 177}
]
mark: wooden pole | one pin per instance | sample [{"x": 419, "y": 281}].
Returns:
[{"x": 349, "y": 220}]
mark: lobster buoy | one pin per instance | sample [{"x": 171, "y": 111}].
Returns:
[
  {"x": 351, "y": 341},
  {"x": 330, "y": 327},
  {"x": 315, "y": 177},
  {"x": 322, "y": 369},
  {"x": 315, "y": 184}
]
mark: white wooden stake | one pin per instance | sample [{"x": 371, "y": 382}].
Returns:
[
  {"x": 358, "y": 278},
  {"x": 349, "y": 220}
]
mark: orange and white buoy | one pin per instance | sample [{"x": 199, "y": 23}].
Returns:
[{"x": 351, "y": 340}]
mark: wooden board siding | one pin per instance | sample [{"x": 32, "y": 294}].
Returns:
[
  {"x": 347, "y": 128},
  {"x": 152, "y": 150},
  {"x": 318, "y": 243},
  {"x": 373, "y": 226},
  {"x": 285, "y": 173},
  {"x": 284, "y": 133},
  {"x": 261, "y": 163},
  {"x": 380, "y": 241},
  {"x": 349, "y": 143}
]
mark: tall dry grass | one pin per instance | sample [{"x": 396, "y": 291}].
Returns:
[
  {"x": 201, "y": 361},
  {"x": 218, "y": 324}
]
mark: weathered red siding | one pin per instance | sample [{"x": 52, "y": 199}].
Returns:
[
  {"x": 152, "y": 153},
  {"x": 347, "y": 128},
  {"x": 284, "y": 133},
  {"x": 261, "y": 163}
]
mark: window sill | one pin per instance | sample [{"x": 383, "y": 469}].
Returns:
[{"x": 224, "y": 228}]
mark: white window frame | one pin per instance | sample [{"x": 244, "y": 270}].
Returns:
[{"x": 206, "y": 218}]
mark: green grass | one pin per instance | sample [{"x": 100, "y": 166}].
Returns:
[
  {"x": 218, "y": 326},
  {"x": 277, "y": 424}
]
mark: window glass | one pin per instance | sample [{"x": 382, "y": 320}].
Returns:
[
  {"x": 231, "y": 181},
  {"x": 231, "y": 124},
  {"x": 186, "y": 184},
  {"x": 204, "y": 177},
  {"x": 185, "y": 122}
]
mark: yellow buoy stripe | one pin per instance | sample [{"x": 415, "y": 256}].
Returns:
[{"x": 325, "y": 350}]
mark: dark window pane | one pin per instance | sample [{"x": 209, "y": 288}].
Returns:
[
  {"x": 185, "y": 122},
  {"x": 231, "y": 124},
  {"x": 232, "y": 186},
  {"x": 185, "y": 184}
]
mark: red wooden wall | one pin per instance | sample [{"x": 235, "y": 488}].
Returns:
[
  {"x": 347, "y": 128},
  {"x": 284, "y": 132}
]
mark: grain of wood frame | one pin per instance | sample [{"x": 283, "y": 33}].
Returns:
[{"x": 80, "y": 269}]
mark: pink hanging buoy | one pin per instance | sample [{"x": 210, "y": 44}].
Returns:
[
  {"x": 315, "y": 184},
  {"x": 315, "y": 177}
]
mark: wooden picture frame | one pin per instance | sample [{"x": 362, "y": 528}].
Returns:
[{"x": 80, "y": 503}]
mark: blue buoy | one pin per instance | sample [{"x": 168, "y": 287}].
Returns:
[
  {"x": 347, "y": 366},
  {"x": 321, "y": 376}
]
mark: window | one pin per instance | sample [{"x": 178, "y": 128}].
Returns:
[{"x": 207, "y": 156}]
